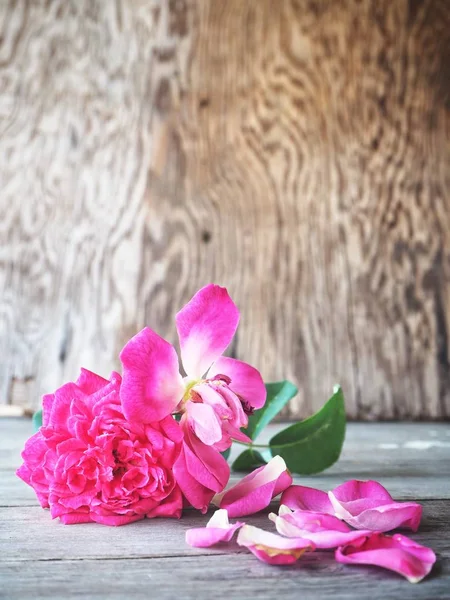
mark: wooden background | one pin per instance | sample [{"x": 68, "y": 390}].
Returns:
[{"x": 295, "y": 151}]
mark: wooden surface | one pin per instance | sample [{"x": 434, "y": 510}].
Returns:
[
  {"x": 41, "y": 558},
  {"x": 295, "y": 151}
]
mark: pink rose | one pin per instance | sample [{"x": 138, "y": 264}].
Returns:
[
  {"x": 214, "y": 398},
  {"x": 88, "y": 463}
]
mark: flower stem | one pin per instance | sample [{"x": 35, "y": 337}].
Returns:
[{"x": 251, "y": 445}]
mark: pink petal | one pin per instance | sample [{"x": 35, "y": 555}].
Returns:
[
  {"x": 90, "y": 382},
  {"x": 323, "y": 530},
  {"x": 204, "y": 422},
  {"x": 152, "y": 386},
  {"x": 200, "y": 471},
  {"x": 218, "y": 529},
  {"x": 115, "y": 520},
  {"x": 272, "y": 548},
  {"x": 246, "y": 381},
  {"x": 306, "y": 498},
  {"x": 47, "y": 402},
  {"x": 75, "y": 518},
  {"x": 196, "y": 494},
  {"x": 362, "y": 495},
  {"x": 215, "y": 471},
  {"x": 236, "y": 434},
  {"x": 397, "y": 553},
  {"x": 60, "y": 407},
  {"x": 171, "y": 507},
  {"x": 206, "y": 326},
  {"x": 255, "y": 491},
  {"x": 368, "y": 505}
]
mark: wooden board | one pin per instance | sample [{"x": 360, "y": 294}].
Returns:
[
  {"x": 295, "y": 151},
  {"x": 42, "y": 559}
]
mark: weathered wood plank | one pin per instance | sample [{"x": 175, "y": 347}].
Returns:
[
  {"x": 197, "y": 577},
  {"x": 42, "y": 558},
  {"x": 31, "y": 534},
  {"x": 294, "y": 151},
  {"x": 411, "y": 459}
]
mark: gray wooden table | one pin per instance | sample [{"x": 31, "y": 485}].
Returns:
[{"x": 41, "y": 558}]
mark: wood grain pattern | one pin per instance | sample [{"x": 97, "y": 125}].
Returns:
[
  {"x": 296, "y": 151},
  {"x": 41, "y": 558}
]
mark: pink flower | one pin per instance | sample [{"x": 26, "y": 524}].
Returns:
[
  {"x": 217, "y": 393},
  {"x": 397, "y": 553},
  {"x": 362, "y": 504},
  {"x": 218, "y": 529},
  {"x": 255, "y": 491},
  {"x": 88, "y": 463},
  {"x": 325, "y": 531},
  {"x": 272, "y": 548}
]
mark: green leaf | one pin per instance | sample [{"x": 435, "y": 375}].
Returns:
[
  {"x": 247, "y": 461},
  {"x": 278, "y": 395},
  {"x": 226, "y": 453},
  {"x": 37, "y": 420},
  {"x": 314, "y": 444}
]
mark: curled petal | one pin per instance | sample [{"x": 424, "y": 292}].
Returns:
[
  {"x": 200, "y": 471},
  {"x": 272, "y": 548},
  {"x": 205, "y": 423},
  {"x": 206, "y": 326},
  {"x": 152, "y": 386},
  {"x": 299, "y": 497},
  {"x": 368, "y": 505},
  {"x": 397, "y": 553},
  {"x": 255, "y": 491},
  {"x": 218, "y": 529},
  {"x": 246, "y": 381},
  {"x": 325, "y": 531}
]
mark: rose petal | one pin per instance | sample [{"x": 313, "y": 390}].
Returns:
[
  {"x": 306, "y": 498},
  {"x": 246, "y": 381},
  {"x": 255, "y": 491},
  {"x": 368, "y": 505},
  {"x": 60, "y": 407},
  {"x": 75, "y": 518},
  {"x": 90, "y": 382},
  {"x": 200, "y": 471},
  {"x": 325, "y": 531},
  {"x": 206, "y": 326},
  {"x": 116, "y": 520},
  {"x": 204, "y": 422},
  {"x": 152, "y": 386},
  {"x": 171, "y": 507},
  {"x": 272, "y": 548},
  {"x": 218, "y": 529},
  {"x": 397, "y": 553}
]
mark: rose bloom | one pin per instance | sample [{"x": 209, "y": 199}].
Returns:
[{"x": 88, "y": 463}]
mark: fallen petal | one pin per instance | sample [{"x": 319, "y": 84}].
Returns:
[
  {"x": 272, "y": 548},
  {"x": 325, "y": 531},
  {"x": 397, "y": 553},
  {"x": 368, "y": 505},
  {"x": 255, "y": 491},
  {"x": 218, "y": 529},
  {"x": 305, "y": 498}
]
